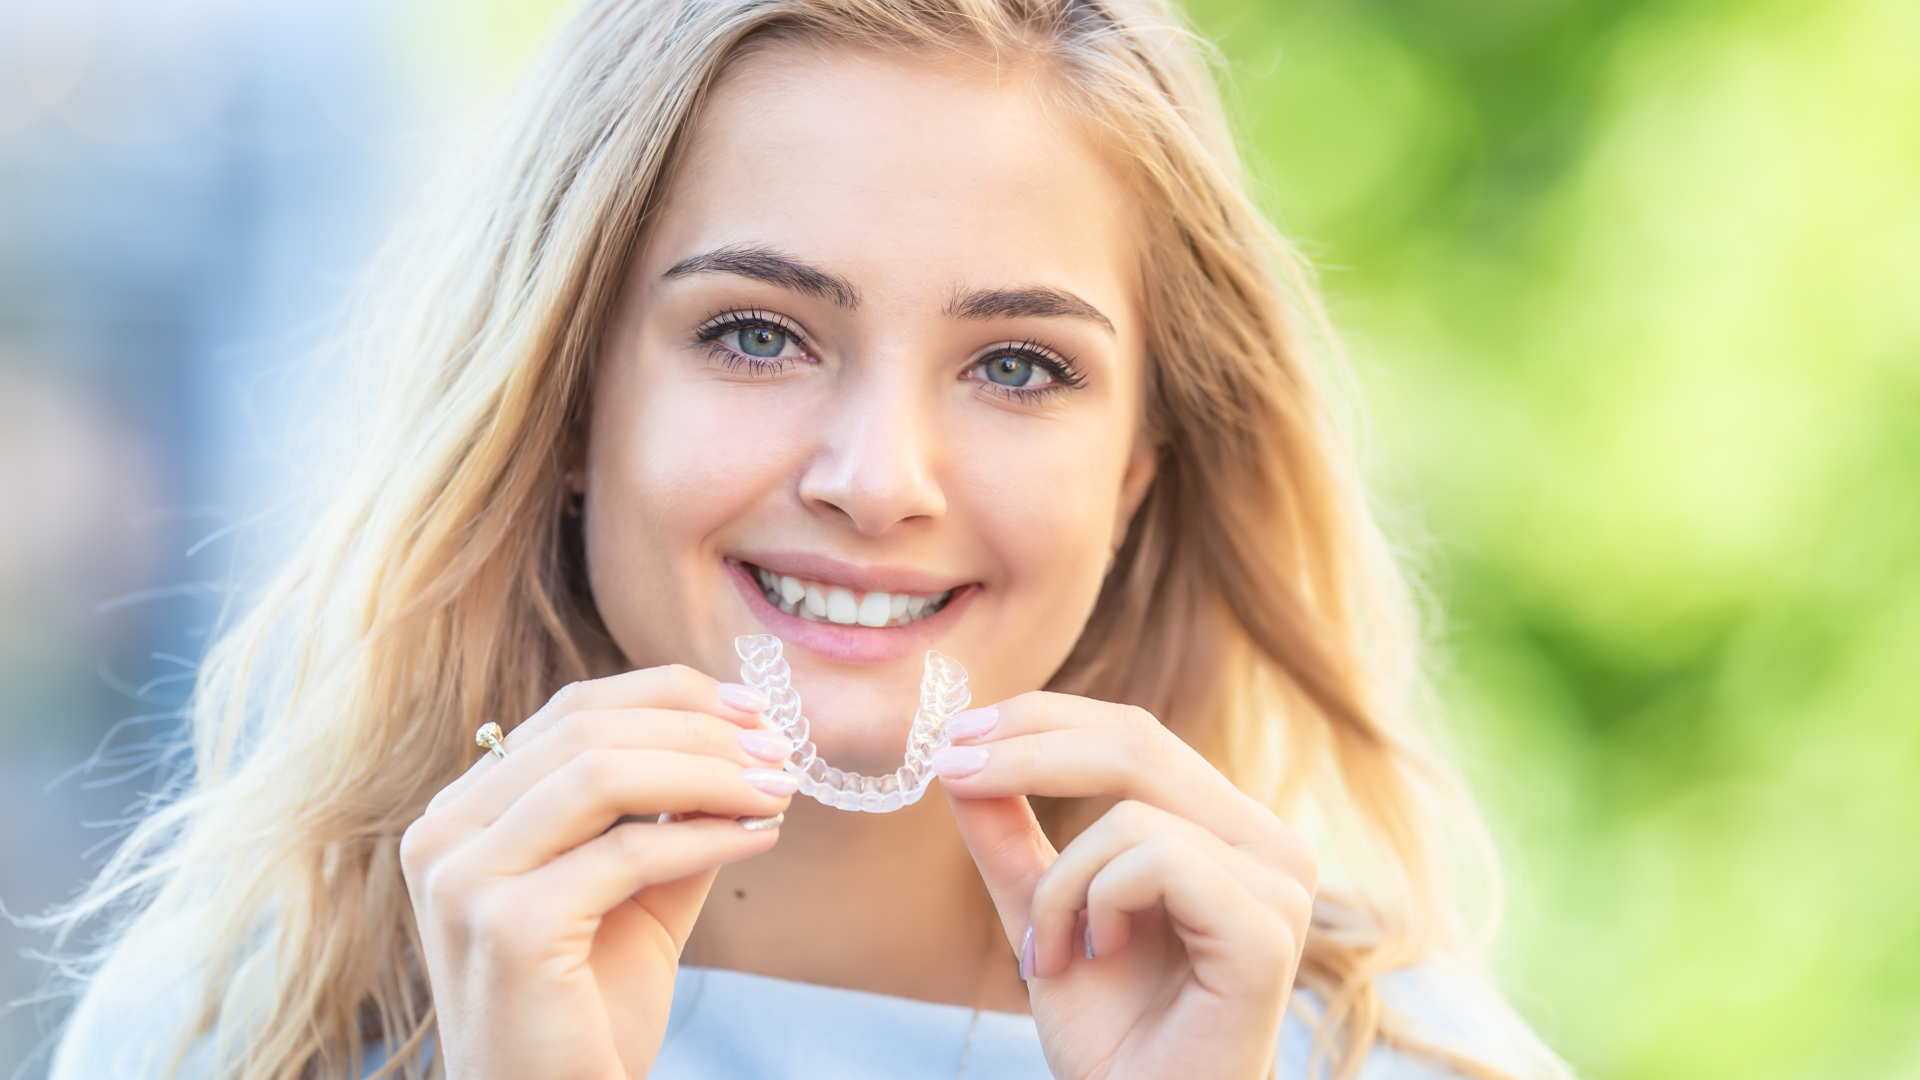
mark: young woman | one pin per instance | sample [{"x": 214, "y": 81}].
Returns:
[{"x": 880, "y": 328}]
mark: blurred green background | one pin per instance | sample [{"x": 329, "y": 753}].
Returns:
[{"x": 1633, "y": 290}]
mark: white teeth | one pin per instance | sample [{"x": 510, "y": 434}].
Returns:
[
  {"x": 841, "y": 605},
  {"x": 842, "y": 608},
  {"x": 875, "y": 609}
]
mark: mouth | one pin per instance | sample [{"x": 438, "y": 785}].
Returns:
[{"x": 827, "y": 602}]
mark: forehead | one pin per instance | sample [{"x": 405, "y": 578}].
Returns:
[{"x": 897, "y": 170}]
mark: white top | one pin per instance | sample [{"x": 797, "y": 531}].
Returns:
[{"x": 726, "y": 1024}]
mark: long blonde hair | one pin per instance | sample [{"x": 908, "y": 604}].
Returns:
[{"x": 1253, "y": 606}]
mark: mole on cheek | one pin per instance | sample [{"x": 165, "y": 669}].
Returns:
[{"x": 739, "y": 894}]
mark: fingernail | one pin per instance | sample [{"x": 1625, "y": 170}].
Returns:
[
  {"x": 772, "y": 781},
  {"x": 973, "y": 723},
  {"x": 744, "y": 698},
  {"x": 1089, "y": 942},
  {"x": 765, "y": 745},
  {"x": 1026, "y": 956},
  {"x": 761, "y": 824},
  {"x": 955, "y": 762}
]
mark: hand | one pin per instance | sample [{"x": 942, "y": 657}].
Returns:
[
  {"x": 1191, "y": 896},
  {"x": 552, "y": 930}
]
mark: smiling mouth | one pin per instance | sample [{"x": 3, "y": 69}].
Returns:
[{"x": 819, "y": 601}]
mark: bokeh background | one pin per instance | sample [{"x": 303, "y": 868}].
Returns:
[{"x": 1633, "y": 289}]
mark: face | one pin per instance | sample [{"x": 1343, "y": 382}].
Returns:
[{"x": 874, "y": 387}]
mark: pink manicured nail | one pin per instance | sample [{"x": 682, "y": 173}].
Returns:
[
  {"x": 1026, "y": 956},
  {"x": 973, "y": 723},
  {"x": 772, "y": 781},
  {"x": 957, "y": 761},
  {"x": 744, "y": 698},
  {"x": 765, "y": 745}
]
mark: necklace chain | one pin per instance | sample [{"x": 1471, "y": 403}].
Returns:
[
  {"x": 966, "y": 1052},
  {"x": 979, "y": 986}
]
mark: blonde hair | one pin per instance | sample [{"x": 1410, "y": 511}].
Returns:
[{"x": 1253, "y": 606}]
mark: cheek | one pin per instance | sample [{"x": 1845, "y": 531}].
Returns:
[
  {"x": 1045, "y": 515},
  {"x": 692, "y": 459},
  {"x": 1047, "y": 512},
  {"x": 671, "y": 464}
]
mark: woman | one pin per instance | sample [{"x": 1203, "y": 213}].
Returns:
[{"x": 879, "y": 328}]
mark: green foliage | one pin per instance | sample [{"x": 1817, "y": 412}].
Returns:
[{"x": 1635, "y": 293}]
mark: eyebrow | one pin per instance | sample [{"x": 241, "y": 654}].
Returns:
[
  {"x": 774, "y": 268},
  {"x": 1035, "y": 301}
]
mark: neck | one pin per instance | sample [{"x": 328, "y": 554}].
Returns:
[{"x": 886, "y": 903}]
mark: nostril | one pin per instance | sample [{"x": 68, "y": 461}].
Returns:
[{"x": 875, "y": 486}]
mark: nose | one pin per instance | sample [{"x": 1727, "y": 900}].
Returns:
[{"x": 877, "y": 462}]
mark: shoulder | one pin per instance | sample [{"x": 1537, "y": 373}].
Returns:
[
  {"x": 127, "y": 1025},
  {"x": 133, "y": 1025},
  {"x": 1452, "y": 1011}
]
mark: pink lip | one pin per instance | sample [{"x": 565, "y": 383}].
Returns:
[
  {"x": 849, "y": 644},
  {"x": 860, "y": 577}
]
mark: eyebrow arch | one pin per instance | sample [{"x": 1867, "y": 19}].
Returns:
[
  {"x": 1034, "y": 301},
  {"x": 774, "y": 268}
]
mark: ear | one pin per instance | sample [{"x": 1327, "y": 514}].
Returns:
[
  {"x": 574, "y": 483},
  {"x": 1142, "y": 463}
]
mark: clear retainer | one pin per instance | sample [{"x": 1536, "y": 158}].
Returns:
[{"x": 943, "y": 692}]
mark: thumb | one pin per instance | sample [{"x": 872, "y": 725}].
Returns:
[
  {"x": 1010, "y": 849},
  {"x": 677, "y": 904}
]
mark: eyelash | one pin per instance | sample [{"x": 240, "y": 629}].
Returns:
[
  {"x": 720, "y": 325},
  {"x": 1065, "y": 374}
]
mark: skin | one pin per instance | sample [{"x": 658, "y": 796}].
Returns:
[{"x": 874, "y": 450}]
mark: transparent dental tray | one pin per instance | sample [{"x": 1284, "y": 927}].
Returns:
[{"x": 943, "y": 693}]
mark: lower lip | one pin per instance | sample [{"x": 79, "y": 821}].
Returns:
[{"x": 851, "y": 644}]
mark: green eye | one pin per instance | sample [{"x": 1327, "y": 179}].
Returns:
[
  {"x": 1010, "y": 370},
  {"x": 763, "y": 341}
]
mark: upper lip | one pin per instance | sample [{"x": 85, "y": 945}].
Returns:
[{"x": 857, "y": 576}]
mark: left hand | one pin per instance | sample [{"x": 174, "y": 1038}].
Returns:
[{"x": 1195, "y": 897}]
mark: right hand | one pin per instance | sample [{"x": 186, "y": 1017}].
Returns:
[{"x": 551, "y": 934}]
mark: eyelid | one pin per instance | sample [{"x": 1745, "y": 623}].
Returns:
[
  {"x": 719, "y": 323},
  {"x": 1066, "y": 374}
]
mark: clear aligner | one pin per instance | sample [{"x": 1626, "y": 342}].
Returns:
[{"x": 943, "y": 693}]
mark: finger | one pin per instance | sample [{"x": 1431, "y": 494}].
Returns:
[
  {"x": 676, "y": 904},
  {"x": 1011, "y": 851},
  {"x": 1061, "y": 893},
  {"x": 1039, "y": 710},
  {"x": 587, "y": 882},
  {"x": 1218, "y": 920},
  {"x": 672, "y": 686},
  {"x": 582, "y": 799},
  {"x": 680, "y": 730},
  {"x": 1150, "y": 765}
]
